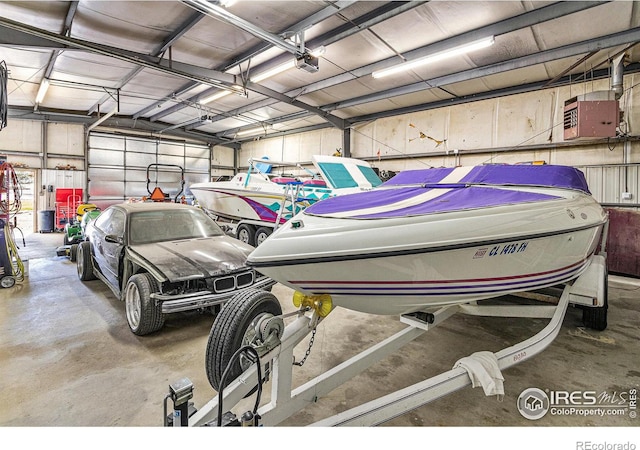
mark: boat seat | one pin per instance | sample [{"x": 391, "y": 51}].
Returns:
[
  {"x": 318, "y": 183},
  {"x": 285, "y": 180}
]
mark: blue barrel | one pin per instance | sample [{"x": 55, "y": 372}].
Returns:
[{"x": 46, "y": 221}]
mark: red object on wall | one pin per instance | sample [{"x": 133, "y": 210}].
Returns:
[
  {"x": 67, "y": 201},
  {"x": 623, "y": 245},
  {"x": 590, "y": 119}
]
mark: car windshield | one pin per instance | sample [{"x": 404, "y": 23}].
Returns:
[{"x": 146, "y": 227}]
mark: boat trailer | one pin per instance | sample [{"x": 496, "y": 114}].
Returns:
[{"x": 273, "y": 359}]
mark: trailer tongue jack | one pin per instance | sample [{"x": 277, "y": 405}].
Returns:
[{"x": 180, "y": 393}]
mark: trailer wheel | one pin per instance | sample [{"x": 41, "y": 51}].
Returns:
[
  {"x": 234, "y": 328},
  {"x": 596, "y": 317},
  {"x": 262, "y": 234},
  {"x": 73, "y": 252},
  {"x": 246, "y": 233},
  {"x": 83, "y": 262},
  {"x": 7, "y": 281},
  {"x": 144, "y": 316}
]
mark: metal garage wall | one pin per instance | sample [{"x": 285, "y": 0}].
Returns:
[
  {"x": 294, "y": 148},
  {"x": 614, "y": 185},
  {"x": 117, "y": 167},
  {"x": 222, "y": 161}
]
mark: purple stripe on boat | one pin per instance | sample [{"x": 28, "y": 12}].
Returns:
[
  {"x": 462, "y": 198},
  {"x": 370, "y": 199},
  {"x": 502, "y": 175}
]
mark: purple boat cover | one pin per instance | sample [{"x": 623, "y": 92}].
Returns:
[
  {"x": 501, "y": 175},
  {"x": 456, "y": 199}
]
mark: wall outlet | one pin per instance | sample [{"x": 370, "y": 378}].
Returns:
[{"x": 626, "y": 196}]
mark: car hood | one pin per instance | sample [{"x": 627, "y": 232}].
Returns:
[{"x": 194, "y": 258}]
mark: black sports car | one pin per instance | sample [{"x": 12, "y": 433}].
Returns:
[{"x": 162, "y": 258}]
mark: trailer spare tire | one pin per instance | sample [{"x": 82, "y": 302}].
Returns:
[{"x": 234, "y": 328}]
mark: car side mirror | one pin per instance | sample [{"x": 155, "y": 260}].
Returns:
[{"x": 114, "y": 239}]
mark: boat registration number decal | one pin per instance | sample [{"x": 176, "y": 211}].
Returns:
[{"x": 502, "y": 249}]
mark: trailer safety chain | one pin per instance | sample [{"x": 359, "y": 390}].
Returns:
[{"x": 308, "y": 352}]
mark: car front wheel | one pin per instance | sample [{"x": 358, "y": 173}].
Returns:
[{"x": 143, "y": 314}]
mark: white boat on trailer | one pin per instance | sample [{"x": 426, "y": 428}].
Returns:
[
  {"x": 254, "y": 203},
  {"x": 541, "y": 220},
  {"x": 439, "y": 236}
]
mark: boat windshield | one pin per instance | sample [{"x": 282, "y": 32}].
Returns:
[
  {"x": 169, "y": 224},
  {"x": 340, "y": 177}
]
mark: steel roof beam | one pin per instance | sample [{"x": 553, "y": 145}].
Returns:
[
  {"x": 168, "y": 42},
  {"x": 300, "y": 26},
  {"x": 567, "y": 51},
  {"x": 310, "y": 21},
  {"x": 355, "y": 26},
  {"x": 181, "y": 70},
  {"x": 589, "y": 46},
  {"x": 66, "y": 29},
  {"x": 202, "y": 75},
  {"x": 521, "y": 89},
  {"x": 220, "y": 13},
  {"x": 156, "y": 128},
  {"x": 540, "y": 15}
]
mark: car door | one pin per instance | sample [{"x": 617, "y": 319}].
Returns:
[{"x": 108, "y": 241}]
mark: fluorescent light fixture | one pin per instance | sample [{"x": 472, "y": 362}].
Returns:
[
  {"x": 271, "y": 72},
  {"x": 217, "y": 96},
  {"x": 439, "y": 56},
  {"x": 252, "y": 131},
  {"x": 44, "y": 85}
]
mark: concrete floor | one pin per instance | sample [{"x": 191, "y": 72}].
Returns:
[{"x": 67, "y": 357}]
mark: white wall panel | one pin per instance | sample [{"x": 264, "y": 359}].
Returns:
[
  {"x": 472, "y": 126},
  {"x": 65, "y": 139},
  {"x": 222, "y": 156},
  {"x": 22, "y": 136}
]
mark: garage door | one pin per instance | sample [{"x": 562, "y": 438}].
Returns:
[{"x": 118, "y": 167}]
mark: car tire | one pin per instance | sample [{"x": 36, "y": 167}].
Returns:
[
  {"x": 144, "y": 316},
  {"x": 230, "y": 330},
  {"x": 73, "y": 252},
  {"x": 84, "y": 263}
]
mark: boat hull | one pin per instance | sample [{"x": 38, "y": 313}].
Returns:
[
  {"x": 408, "y": 264},
  {"x": 405, "y": 283},
  {"x": 242, "y": 204},
  {"x": 263, "y": 197}
]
